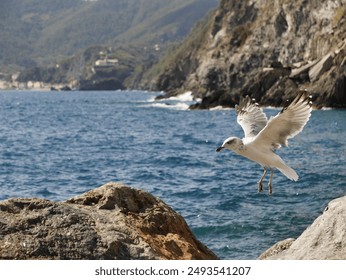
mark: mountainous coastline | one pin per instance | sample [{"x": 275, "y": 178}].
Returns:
[
  {"x": 265, "y": 49},
  {"x": 44, "y": 39},
  {"x": 44, "y": 29}
]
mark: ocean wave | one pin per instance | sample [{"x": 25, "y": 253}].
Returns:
[
  {"x": 220, "y": 108},
  {"x": 179, "y": 102},
  {"x": 184, "y": 97},
  {"x": 173, "y": 106}
]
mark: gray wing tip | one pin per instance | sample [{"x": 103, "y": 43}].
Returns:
[{"x": 305, "y": 96}]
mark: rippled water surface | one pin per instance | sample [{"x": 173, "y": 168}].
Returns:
[{"x": 55, "y": 145}]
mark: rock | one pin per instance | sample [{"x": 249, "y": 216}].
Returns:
[
  {"x": 110, "y": 222},
  {"x": 277, "y": 248},
  {"x": 322, "y": 66},
  {"x": 99, "y": 83},
  {"x": 325, "y": 239},
  {"x": 304, "y": 69},
  {"x": 65, "y": 88}
]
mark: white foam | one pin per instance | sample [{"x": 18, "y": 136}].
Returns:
[
  {"x": 179, "y": 102},
  {"x": 151, "y": 99},
  {"x": 176, "y": 106},
  {"x": 185, "y": 97},
  {"x": 220, "y": 108},
  {"x": 326, "y": 108}
]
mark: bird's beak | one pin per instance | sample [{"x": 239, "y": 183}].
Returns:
[{"x": 219, "y": 149}]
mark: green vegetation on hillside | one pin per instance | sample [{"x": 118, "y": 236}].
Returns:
[{"x": 35, "y": 32}]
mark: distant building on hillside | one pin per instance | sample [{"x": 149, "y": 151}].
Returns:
[{"x": 106, "y": 62}]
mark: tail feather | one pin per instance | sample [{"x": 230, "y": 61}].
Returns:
[{"x": 288, "y": 172}]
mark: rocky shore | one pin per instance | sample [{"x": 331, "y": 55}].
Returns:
[
  {"x": 115, "y": 221},
  {"x": 325, "y": 239},
  {"x": 110, "y": 222}
]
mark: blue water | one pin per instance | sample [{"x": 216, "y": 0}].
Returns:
[{"x": 56, "y": 145}]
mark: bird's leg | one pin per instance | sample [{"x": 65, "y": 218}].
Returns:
[
  {"x": 260, "y": 186},
  {"x": 270, "y": 182}
]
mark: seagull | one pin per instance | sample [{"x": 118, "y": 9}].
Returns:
[{"x": 263, "y": 137}]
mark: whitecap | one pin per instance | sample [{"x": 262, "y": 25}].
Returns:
[
  {"x": 185, "y": 97},
  {"x": 179, "y": 102},
  {"x": 326, "y": 108},
  {"x": 220, "y": 108},
  {"x": 175, "y": 106}
]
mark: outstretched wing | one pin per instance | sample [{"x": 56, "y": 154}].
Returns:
[
  {"x": 287, "y": 124},
  {"x": 250, "y": 117}
]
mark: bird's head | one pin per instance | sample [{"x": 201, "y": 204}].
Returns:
[{"x": 231, "y": 143}]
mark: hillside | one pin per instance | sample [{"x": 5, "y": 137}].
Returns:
[
  {"x": 265, "y": 49},
  {"x": 35, "y": 32}
]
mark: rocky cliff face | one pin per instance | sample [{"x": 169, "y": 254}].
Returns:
[
  {"x": 111, "y": 222},
  {"x": 268, "y": 50}
]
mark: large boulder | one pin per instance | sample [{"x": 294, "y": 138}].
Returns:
[
  {"x": 110, "y": 222},
  {"x": 325, "y": 239}
]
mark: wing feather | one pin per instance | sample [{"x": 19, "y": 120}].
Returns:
[
  {"x": 287, "y": 124},
  {"x": 250, "y": 117}
]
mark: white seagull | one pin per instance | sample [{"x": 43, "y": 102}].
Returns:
[{"x": 263, "y": 137}]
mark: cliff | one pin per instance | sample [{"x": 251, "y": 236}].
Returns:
[
  {"x": 111, "y": 222},
  {"x": 325, "y": 239},
  {"x": 265, "y": 49}
]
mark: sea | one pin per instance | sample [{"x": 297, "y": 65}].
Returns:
[{"x": 56, "y": 145}]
